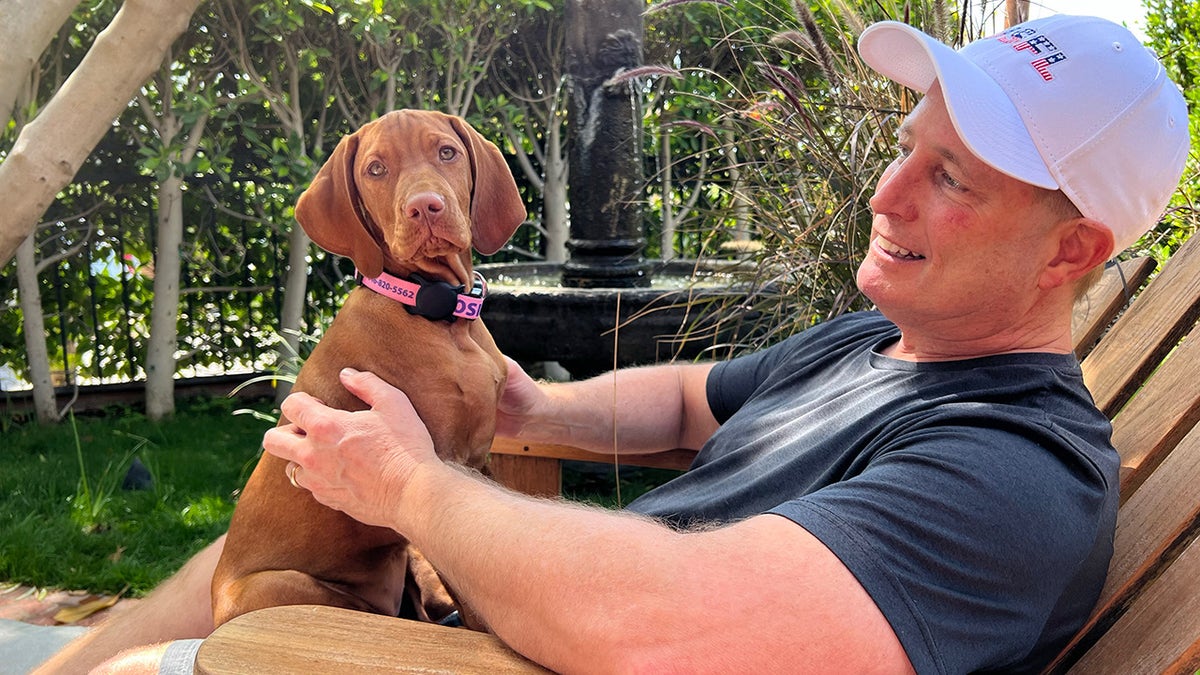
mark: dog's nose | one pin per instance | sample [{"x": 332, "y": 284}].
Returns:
[{"x": 425, "y": 205}]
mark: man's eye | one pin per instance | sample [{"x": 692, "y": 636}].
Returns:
[
  {"x": 376, "y": 169},
  {"x": 447, "y": 153},
  {"x": 951, "y": 182}
]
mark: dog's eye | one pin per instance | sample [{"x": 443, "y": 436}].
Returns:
[
  {"x": 447, "y": 153},
  {"x": 376, "y": 169}
]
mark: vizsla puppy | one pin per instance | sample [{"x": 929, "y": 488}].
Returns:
[{"x": 406, "y": 197}]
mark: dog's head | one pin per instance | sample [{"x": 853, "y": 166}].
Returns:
[{"x": 412, "y": 191}]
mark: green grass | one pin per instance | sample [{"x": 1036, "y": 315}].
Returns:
[{"x": 63, "y": 528}]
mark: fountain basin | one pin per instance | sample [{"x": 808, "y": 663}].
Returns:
[{"x": 532, "y": 318}]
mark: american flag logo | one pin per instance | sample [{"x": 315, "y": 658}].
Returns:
[
  {"x": 1036, "y": 45},
  {"x": 1042, "y": 66},
  {"x": 1012, "y": 36}
]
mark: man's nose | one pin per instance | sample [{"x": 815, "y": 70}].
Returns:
[{"x": 896, "y": 192}]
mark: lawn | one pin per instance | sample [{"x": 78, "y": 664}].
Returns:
[
  {"x": 64, "y": 526},
  {"x": 67, "y": 522}
]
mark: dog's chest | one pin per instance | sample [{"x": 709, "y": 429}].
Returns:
[{"x": 451, "y": 371}]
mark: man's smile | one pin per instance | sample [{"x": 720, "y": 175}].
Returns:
[{"x": 895, "y": 250}]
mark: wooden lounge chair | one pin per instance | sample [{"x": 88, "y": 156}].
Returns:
[{"x": 1142, "y": 371}]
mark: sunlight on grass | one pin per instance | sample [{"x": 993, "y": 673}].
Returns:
[{"x": 207, "y": 511}]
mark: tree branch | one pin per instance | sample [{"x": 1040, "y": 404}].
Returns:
[
  {"x": 26, "y": 30},
  {"x": 52, "y": 147}
]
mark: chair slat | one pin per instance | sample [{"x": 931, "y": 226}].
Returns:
[
  {"x": 1096, "y": 311},
  {"x": 1155, "y": 524},
  {"x": 532, "y": 475},
  {"x": 1161, "y": 631},
  {"x": 304, "y": 639},
  {"x": 1134, "y": 346},
  {"x": 671, "y": 459},
  {"x": 1158, "y": 416}
]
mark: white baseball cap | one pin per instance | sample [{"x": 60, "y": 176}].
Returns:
[{"x": 1065, "y": 102}]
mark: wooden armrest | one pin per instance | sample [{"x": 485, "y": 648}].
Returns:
[
  {"x": 669, "y": 459},
  {"x": 536, "y": 468},
  {"x": 312, "y": 639}
]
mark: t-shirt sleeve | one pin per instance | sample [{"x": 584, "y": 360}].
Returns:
[
  {"x": 731, "y": 383},
  {"x": 960, "y": 535}
]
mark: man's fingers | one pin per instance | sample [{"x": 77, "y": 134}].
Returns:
[
  {"x": 281, "y": 441},
  {"x": 372, "y": 390},
  {"x": 297, "y": 406}
]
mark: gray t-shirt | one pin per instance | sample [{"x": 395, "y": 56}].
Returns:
[{"x": 974, "y": 500}]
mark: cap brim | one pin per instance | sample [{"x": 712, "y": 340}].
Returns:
[{"x": 983, "y": 115}]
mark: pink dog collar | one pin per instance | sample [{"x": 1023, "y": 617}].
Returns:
[{"x": 434, "y": 300}]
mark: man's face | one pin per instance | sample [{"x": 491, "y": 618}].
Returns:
[{"x": 956, "y": 246}]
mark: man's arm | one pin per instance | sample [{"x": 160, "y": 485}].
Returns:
[
  {"x": 654, "y": 408},
  {"x": 582, "y": 589},
  {"x": 588, "y": 590}
]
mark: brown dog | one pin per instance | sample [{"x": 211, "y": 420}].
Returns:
[{"x": 405, "y": 197}]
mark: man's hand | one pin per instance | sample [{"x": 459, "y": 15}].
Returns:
[
  {"x": 520, "y": 398},
  {"x": 361, "y": 463}
]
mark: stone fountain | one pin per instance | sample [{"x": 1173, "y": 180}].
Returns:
[
  {"x": 606, "y": 301},
  {"x": 604, "y": 145}
]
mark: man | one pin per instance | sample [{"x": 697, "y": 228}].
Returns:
[{"x": 925, "y": 488}]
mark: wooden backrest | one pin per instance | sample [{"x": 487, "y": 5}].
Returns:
[
  {"x": 1160, "y": 632},
  {"x": 1136, "y": 344},
  {"x": 1148, "y": 615}
]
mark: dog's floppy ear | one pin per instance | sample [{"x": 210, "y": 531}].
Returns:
[
  {"x": 328, "y": 211},
  {"x": 496, "y": 206}
]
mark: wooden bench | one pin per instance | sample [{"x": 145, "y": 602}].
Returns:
[{"x": 1143, "y": 372}]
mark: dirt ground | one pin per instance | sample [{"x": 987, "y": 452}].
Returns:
[{"x": 39, "y": 606}]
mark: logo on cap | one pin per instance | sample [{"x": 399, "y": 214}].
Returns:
[
  {"x": 1025, "y": 39},
  {"x": 1043, "y": 65}
]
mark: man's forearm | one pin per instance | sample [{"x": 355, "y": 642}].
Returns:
[
  {"x": 580, "y": 589},
  {"x": 532, "y": 568},
  {"x": 634, "y": 410}
]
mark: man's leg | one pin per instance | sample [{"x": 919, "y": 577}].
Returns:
[{"x": 181, "y": 607}]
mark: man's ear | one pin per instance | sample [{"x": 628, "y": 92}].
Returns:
[{"x": 1083, "y": 244}]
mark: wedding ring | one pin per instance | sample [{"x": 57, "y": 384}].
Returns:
[{"x": 292, "y": 468}]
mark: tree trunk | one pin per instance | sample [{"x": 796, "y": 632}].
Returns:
[
  {"x": 291, "y": 314},
  {"x": 554, "y": 196},
  {"x": 1015, "y": 12},
  {"x": 667, "y": 241},
  {"x": 164, "y": 314},
  {"x": 34, "y": 326},
  {"x": 52, "y": 147},
  {"x": 26, "y": 27},
  {"x": 740, "y": 202}
]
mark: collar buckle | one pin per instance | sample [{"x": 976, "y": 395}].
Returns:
[{"x": 436, "y": 300}]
